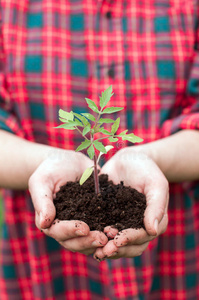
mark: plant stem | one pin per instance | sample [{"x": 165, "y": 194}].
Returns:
[
  {"x": 96, "y": 122},
  {"x": 96, "y": 178},
  {"x": 81, "y": 132},
  {"x": 108, "y": 136}
]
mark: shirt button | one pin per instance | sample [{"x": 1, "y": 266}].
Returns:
[
  {"x": 111, "y": 73},
  {"x": 108, "y": 15}
]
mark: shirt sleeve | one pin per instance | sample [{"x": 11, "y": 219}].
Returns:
[
  {"x": 189, "y": 117},
  {"x": 8, "y": 117}
]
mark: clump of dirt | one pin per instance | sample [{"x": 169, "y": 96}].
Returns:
[{"x": 116, "y": 205}]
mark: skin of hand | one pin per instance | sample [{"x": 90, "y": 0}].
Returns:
[
  {"x": 52, "y": 173},
  {"x": 139, "y": 171},
  {"x": 176, "y": 156}
]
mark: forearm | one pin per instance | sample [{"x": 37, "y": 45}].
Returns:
[
  {"x": 18, "y": 160},
  {"x": 177, "y": 155}
]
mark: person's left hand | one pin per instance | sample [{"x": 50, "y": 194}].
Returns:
[{"x": 139, "y": 171}]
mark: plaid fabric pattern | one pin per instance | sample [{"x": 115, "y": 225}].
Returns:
[{"x": 53, "y": 54}]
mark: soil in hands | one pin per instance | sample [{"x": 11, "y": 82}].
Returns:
[{"x": 116, "y": 205}]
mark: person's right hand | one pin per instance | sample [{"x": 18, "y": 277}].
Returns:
[{"x": 44, "y": 183}]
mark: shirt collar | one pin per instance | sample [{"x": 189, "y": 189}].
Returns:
[{"x": 115, "y": 7}]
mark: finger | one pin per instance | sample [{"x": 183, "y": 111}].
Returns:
[
  {"x": 63, "y": 230},
  {"x": 163, "y": 224},
  {"x": 110, "y": 231},
  {"x": 127, "y": 251},
  {"x": 112, "y": 252},
  {"x": 109, "y": 168},
  {"x": 132, "y": 237},
  {"x": 108, "y": 249},
  {"x": 94, "y": 240},
  {"x": 99, "y": 254},
  {"x": 41, "y": 190},
  {"x": 138, "y": 236},
  {"x": 157, "y": 202}
]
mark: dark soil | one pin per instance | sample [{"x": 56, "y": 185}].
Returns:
[{"x": 116, "y": 205}]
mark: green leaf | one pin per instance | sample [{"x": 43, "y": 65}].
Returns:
[
  {"x": 75, "y": 123},
  {"x": 99, "y": 146},
  {"x": 66, "y": 115},
  {"x": 110, "y": 110},
  {"x": 87, "y": 173},
  {"x": 86, "y": 129},
  {"x": 104, "y": 131},
  {"x": 108, "y": 148},
  {"x": 97, "y": 128},
  {"x": 63, "y": 120},
  {"x": 132, "y": 138},
  {"x": 91, "y": 151},
  {"x": 89, "y": 116},
  {"x": 70, "y": 124},
  {"x": 83, "y": 145},
  {"x": 115, "y": 126},
  {"x": 112, "y": 139},
  {"x": 92, "y": 105},
  {"x": 66, "y": 126},
  {"x": 103, "y": 120},
  {"x": 123, "y": 132},
  {"x": 106, "y": 96},
  {"x": 82, "y": 119}
]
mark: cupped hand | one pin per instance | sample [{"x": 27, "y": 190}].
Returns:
[
  {"x": 60, "y": 167},
  {"x": 138, "y": 170}
]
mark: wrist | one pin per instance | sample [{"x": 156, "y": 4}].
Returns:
[
  {"x": 149, "y": 150},
  {"x": 144, "y": 151},
  {"x": 35, "y": 154}
]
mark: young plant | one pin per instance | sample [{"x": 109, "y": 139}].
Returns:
[{"x": 89, "y": 126}]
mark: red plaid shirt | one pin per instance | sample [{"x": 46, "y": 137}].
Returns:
[{"x": 54, "y": 53}]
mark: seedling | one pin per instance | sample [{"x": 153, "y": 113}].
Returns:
[{"x": 89, "y": 125}]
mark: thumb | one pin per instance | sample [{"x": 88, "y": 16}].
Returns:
[
  {"x": 157, "y": 203},
  {"x": 110, "y": 169},
  {"x": 41, "y": 191}
]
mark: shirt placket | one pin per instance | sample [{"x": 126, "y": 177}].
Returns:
[{"x": 108, "y": 12}]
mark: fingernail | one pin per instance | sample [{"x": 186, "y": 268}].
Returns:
[
  {"x": 97, "y": 258},
  {"x": 156, "y": 223},
  {"x": 113, "y": 254},
  {"x": 96, "y": 243},
  {"x": 80, "y": 233},
  {"x": 110, "y": 235}
]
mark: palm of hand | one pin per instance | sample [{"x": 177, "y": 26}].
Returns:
[{"x": 140, "y": 172}]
